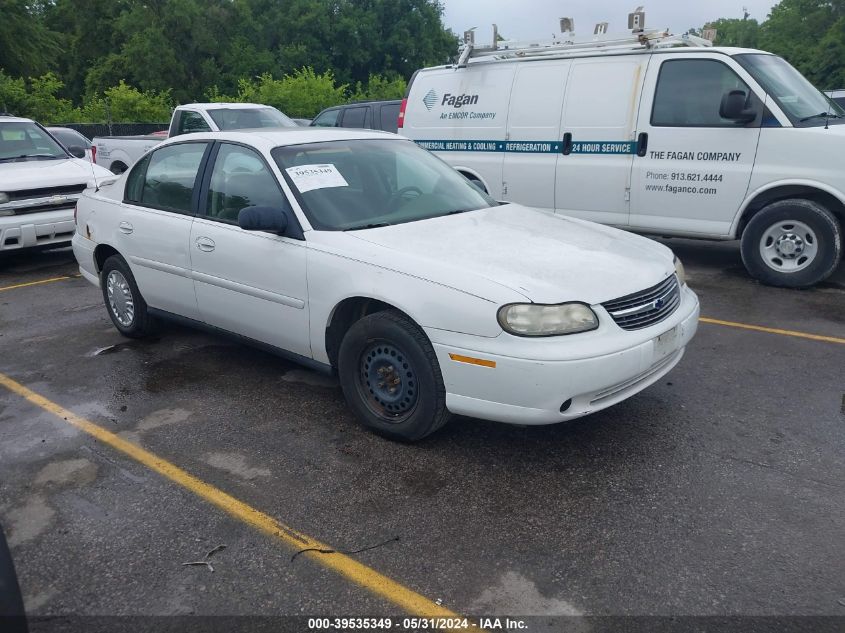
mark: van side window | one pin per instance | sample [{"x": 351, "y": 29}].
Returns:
[
  {"x": 689, "y": 93},
  {"x": 190, "y": 121},
  {"x": 171, "y": 174},
  {"x": 389, "y": 117}
]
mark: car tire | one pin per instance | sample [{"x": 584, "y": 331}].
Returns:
[
  {"x": 124, "y": 303},
  {"x": 792, "y": 244},
  {"x": 391, "y": 378},
  {"x": 12, "y": 613}
]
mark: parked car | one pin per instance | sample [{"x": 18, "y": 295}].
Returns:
[
  {"x": 838, "y": 96},
  {"x": 69, "y": 137},
  {"x": 666, "y": 135},
  {"x": 372, "y": 115},
  {"x": 359, "y": 253},
  {"x": 117, "y": 153},
  {"x": 302, "y": 122},
  {"x": 40, "y": 181}
]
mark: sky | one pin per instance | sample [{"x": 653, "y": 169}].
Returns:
[{"x": 538, "y": 19}]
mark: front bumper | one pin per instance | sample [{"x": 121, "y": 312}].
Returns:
[
  {"x": 46, "y": 228},
  {"x": 531, "y": 385}
]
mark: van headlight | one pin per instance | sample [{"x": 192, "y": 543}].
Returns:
[
  {"x": 534, "y": 319},
  {"x": 680, "y": 272}
]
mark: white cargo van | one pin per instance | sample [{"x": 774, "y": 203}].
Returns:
[{"x": 654, "y": 133}]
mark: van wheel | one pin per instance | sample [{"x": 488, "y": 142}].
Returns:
[
  {"x": 391, "y": 378},
  {"x": 475, "y": 181},
  {"x": 792, "y": 243},
  {"x": 117, "y": 168},
  {"x": 125, "y": 305}
]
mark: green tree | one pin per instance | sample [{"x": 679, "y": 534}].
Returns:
[
  {"x": 736, "y": 32},
  {"x": 124, "y": 103},
  {"x": 27, "y": 45}
]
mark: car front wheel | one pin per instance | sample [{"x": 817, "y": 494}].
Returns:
[
  {"x": 792, "y": 243},
  {"x": 391, "y": 378},
  {"x": 125, "y": 305}
]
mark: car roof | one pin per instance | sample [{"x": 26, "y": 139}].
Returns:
[
  {"x": 7, "y": 118},
  {"x": 268, "y": 138}
]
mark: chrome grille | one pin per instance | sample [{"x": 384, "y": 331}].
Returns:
[
  {"x": 46, "y": 192},
  {"x": 645, "y": 308}
]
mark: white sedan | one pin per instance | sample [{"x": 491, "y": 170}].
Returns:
[{"x": 358, "y": 253}]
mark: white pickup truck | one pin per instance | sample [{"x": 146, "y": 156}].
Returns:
[{"x": 117, "y": 153}]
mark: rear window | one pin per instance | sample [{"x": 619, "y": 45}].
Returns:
[{"x": 390, "y": 117}]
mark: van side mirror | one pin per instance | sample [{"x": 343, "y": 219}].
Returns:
[
  {"x": 733, "y": 107},
  {"x": 76, "y": 151},
  {"x": 263, "y": 219}
]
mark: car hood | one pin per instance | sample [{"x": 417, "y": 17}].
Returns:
[
  {"x": 546, "y": 258},
  {"x": 35, "y": 174}
]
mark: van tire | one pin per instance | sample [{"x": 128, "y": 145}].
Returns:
[
  {"x": 117, "y": 281},
  {"x": 386, "y": 346},
  {"x": 792, "y": 243},
  {"x": 117, "y": 168}
]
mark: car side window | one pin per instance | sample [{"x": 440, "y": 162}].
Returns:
[
  {"x": 190, "y": 121},
  {"x": 390, "y": 117},
  {"x": 689, "y": 93},
  {"x": 326, "y": 119},
  {"x": 354, "y": 117},
  {"x": 240, "y": 179},
  {"x": 168, "y": 178}
]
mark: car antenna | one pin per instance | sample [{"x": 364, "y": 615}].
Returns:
[
  {"x": 94, "y": 175},
  {"x": 827, "y": 116}
]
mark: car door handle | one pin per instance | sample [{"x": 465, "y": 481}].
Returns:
[
  {"x": 205, "y": 244},
  {"x": 642, "y": 144}
]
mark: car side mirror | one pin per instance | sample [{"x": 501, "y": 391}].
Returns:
[
  {"x": 77, "y": 151},
  {"x": 733, "y": 107},
  {"x": 270, "y": 219}
]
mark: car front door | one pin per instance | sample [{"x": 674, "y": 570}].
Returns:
[
  {"x": 694, "y": 173},
  {"x": 154, "y": 228},
  {"x": 251, "y": 283}
]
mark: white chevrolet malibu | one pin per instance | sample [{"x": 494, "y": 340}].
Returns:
[{"x": 356, "y": 252}]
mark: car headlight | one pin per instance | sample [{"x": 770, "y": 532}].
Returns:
[
  {"x": 533, "y": 319},
  {"x": 680, "y": 272},
  {"x": 4, "y": 198}
]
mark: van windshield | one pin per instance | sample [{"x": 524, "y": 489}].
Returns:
[
  {"x": 358, "y": 184},
  {"x": 802, "y": 102}
]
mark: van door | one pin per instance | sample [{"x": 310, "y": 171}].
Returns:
[
  {"x": 598, "y": 124},
  {"x": 693, "y": 175},
  {"x": 533, "y": 140}
]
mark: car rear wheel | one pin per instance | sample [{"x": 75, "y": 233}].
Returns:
[
  {"x": 792, "y": 243},
  {"x": 126, "y": 307},
  {"x": 391, "y": 378}
]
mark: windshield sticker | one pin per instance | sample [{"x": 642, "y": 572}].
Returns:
[{"x": 309, "y": 177}]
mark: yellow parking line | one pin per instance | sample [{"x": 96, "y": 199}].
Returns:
[
  {"x": 343, "y": 565},
  {"x": 771, "y": 330},
  {"x": 36, "y": 283}
]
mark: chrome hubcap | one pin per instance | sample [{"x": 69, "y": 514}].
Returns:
[
  {"x": 789, "y": 246},
  {"x": 121, "y": 303}
]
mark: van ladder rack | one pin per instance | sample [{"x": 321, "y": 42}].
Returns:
[{"x": 640, "y": 40}]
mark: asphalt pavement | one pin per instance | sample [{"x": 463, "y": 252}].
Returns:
[{"x": 716, "y": 492}]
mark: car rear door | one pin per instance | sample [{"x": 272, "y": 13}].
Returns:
[
  {"x": 154, "y": 229},
  {"x": 251, "y": 283}
]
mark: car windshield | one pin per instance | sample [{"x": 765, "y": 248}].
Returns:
[
  {"x": 804, "y": 104},
  {"x": 356, "y": 184},
  {"x": 247, "y": 118},
  {"x": 22, "y": 141}
]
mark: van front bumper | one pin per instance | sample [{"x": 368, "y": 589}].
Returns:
[
  {"x": 555, "y": 379},
  {"x": 30, "y": 230}
]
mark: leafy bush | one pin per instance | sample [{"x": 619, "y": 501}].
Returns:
[{"x": 123, "y": 103}]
